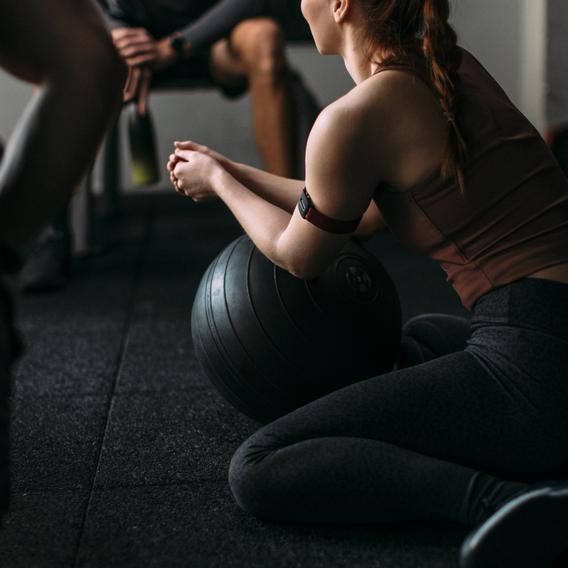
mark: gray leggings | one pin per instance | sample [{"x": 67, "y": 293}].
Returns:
[{"x": 472, "y": 403}]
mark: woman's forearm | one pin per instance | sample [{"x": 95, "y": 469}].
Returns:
[
  {"x": 285, "y": 194},
  {"x": 280, "y": 191},
  {"x": 248, "y": 207}
]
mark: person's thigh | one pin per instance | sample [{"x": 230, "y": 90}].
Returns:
[
  {"x": 41, "y": 37},
  {"x": 450, "y": 408}
]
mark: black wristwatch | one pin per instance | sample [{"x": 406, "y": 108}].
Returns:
[{"x": 179, "y": 45}]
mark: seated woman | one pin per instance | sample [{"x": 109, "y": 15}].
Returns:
[{"x": 475, "y": 414}]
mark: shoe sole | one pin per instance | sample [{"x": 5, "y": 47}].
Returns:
[{"x": 528, "y": 532}]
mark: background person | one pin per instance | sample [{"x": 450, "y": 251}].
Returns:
[
  {"x": 64, "y": 47},
  {"x": 238, "y": 45}
]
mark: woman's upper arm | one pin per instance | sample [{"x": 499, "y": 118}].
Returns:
[
  {"x": 372, "y": 222},
  {"x": 340, "y": 178}
]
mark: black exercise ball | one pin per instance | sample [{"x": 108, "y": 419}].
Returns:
[{"x": 270, "y": 342}]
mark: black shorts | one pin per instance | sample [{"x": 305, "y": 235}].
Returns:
[{"x": 195, "y": 72}]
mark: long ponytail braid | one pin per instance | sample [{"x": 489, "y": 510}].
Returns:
[
  {"x": 439, "y": 45},
  {"x": 412, "y": 30}
]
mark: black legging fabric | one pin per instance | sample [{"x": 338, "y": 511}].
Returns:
[{"x": 472, "y": 403}]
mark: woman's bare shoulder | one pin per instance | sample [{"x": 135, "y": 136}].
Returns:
[
  {"x": 343, "y": 156},
  {"x": 377, "y": 105},
  {"x": 380, "y": 126},
  {"x": 346, "y": 122}
]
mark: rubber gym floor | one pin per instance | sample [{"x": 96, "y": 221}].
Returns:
[{"x": 120, "y": 445}]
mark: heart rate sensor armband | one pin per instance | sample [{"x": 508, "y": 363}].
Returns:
[{"x": 323, "y": 222}]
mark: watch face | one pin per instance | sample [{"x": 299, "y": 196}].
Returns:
[
  {"x": 178, "y": 44},
  {"x": 304, "y": 205}
]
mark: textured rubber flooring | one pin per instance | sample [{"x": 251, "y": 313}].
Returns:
[{"x": 121, "y": 447}]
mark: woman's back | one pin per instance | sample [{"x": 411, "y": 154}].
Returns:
[{"x": 512, "y": 219}]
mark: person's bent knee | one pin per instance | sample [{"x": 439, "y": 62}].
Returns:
[
  {"x": 76, "y": 46},
  {"x": 94, "y": 63},
  {"x": 243, "y": 483},
  {"x": 92, "y": 54},
  {"x": 253, "y": 486},
  {"x": 110, "y": 69},
  {"x": 417, "y": 325},
  {"x": 100, "y": 62},
  {"x": 263, "y": 51}
]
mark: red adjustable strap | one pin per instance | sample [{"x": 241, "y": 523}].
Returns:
[{"x": 323, "y": 222}]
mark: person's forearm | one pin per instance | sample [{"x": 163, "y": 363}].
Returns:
[
  {"x": 115, "y": 23},
  {"x": 280, "y": 191},
  {"x": 219, "y": 21},
  {"x": 263, "y": 221},
  {"x": 111, "y": 20}
]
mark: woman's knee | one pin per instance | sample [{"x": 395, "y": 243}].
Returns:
[
  {"x": 429, "y": 336},
  {"x": 253, "y": 481}
]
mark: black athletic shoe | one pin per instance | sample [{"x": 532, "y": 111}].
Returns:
[
  {"x": 530, "y": 531},
  {"x": 47, "y": 267}
]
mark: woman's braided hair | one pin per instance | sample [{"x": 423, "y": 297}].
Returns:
[{"x": 405, "y": 30}]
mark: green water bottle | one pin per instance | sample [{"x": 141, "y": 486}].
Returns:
[{"x": 143, "y": 148}]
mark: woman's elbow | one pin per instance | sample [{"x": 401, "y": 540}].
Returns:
[
  {"x": 305, "y": 270},
  {"x": 297, "y": 260}
]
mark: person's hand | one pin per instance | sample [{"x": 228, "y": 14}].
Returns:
[
  {"x": 189, "y": 145},
  {"x": 138, "y": 48},
  {"x": 195, "y": 147},
  {"x": 137, "y": 87},
  {"x": 192, "y": 173}
]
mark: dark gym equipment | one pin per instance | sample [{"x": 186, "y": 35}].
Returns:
[{"x": 270, "y": 342}]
